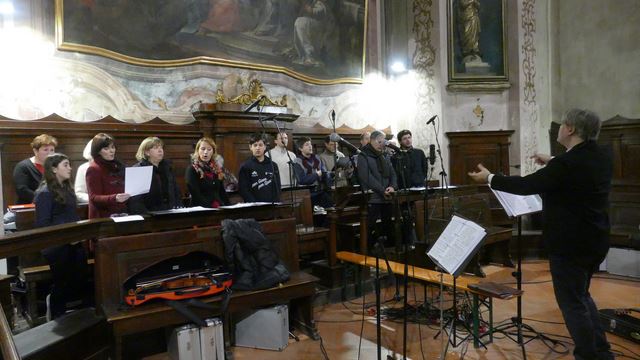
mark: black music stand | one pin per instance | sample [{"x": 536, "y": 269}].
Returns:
[
  {"x": 453, "y": 250},
  {"x": 516, "y": 206}
]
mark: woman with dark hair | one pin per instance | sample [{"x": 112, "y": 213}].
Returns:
[
  {"x": 55, "y": 203},
  {"x": 28, "y": 173},
  {"x": 164, "y": 193},
  {"x": 105, "y": 179},
  {"x": 205, "y": 178}
]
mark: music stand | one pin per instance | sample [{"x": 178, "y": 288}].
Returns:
[
  {"x": 515, "y": 206},
  {"x": 454, "y": 249}
]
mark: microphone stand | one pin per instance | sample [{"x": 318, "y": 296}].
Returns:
[
  {"x": 274, "y": 188},
  {"x": 443, "y": 173},
  {"x": 289, "y": 164}
]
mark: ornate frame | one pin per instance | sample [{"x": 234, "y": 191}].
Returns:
[
  {"x": 206, "y": 59},
  {"x": 492, "y": 38}
]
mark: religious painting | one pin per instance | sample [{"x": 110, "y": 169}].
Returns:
[
  {"x": 318, "y": 41},
  {"x": 477, "y": 53}
]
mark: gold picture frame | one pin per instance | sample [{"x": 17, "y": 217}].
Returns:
[
  {"x": 477, "y": 54},
  {"x": 179, "y": 33}
]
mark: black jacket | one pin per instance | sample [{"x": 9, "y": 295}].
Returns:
[
  {"x": 254, "y": 263},
  {"x": 411, "y": 167},
  {"x": 26, "y": 179},
  {"x": 256, "y": 180},
  {"x": 376, "y": 173},
  {"x": 575, "y": 190},
  {"x": 204, "y": 191},
  {"x": 164, "y": 193}
]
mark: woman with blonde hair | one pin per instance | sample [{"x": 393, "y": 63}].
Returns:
[
  {"x": 205, "y": 178},
  {"x": 164, "y": 193}
]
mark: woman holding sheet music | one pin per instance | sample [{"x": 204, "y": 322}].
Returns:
[
  {"x": 164, "y": 193},
  {"x": 574, "y": 187},
  {"x": 105, "y": 179}
]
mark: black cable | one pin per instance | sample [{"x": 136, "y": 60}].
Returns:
[{"x": 322, "y": 349}]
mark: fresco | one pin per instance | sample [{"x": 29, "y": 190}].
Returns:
[{"x": 318, "y": 41}]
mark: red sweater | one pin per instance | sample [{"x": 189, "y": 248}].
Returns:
[{"x": 102, "y": 187}]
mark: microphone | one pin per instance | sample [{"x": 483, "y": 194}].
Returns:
[
  {"x": 432, "y": 154},
  {"x": 337, "y": 138},
  {"x": 333, "y": 116},
  {"x": 433, "y": 118},
  {"x": 255, "y": 103},
  {"x": 388, "y": 144}
]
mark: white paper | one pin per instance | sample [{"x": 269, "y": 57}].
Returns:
[
  {"x": 247, "y": 204},
  {"x": 137, "y": 180},
  {"x": 127, "y": 218},
  {"x": 516, "y": 205},
  {"x": 456, "y": 244}
]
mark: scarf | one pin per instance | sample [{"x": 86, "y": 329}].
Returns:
[
  {"x": 114, "y": 166},
  {"x": 207, "y": 169}
]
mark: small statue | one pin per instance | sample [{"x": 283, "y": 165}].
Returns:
[{"x": 469, "y": 30}]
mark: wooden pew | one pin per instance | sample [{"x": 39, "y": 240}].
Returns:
[{"x": 119, "y": 257}]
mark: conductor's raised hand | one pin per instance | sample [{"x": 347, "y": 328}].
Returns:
[
  {"x": 481, "y": 176},
  {"x": 541, "y": 159}
]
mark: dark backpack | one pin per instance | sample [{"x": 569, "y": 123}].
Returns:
[{"x": 250, "y": 256}]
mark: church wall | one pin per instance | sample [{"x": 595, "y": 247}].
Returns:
[{"x": 597, "y": 56}]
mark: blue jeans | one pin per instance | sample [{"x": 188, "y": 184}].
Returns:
[{"x": 571, "y": 280}]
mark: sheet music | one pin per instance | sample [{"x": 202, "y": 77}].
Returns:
[
  {"x": 137, "y": 180},
  {"x": 247, "y": 204},
  {"x": 127, "y": 218},
  {"x": 182, "y": 210},
  {"x": 516, "y": 205},
  {"x": 457, "y": 243}
]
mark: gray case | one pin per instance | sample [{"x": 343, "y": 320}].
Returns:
[
  {"x": 184, "y": 343},
  {"x": 190, "y": 342},
  {"x": 212, "y": 340},
  {"x": 264, "y": 329}
]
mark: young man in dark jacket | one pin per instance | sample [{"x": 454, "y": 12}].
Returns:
[
  {"x": 259, "y": 179},
  {"x": 575, "y": 190},
  {"x": 410, "y": 163}
]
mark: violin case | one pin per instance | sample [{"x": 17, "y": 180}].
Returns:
[{"x": 192, "y": 275}]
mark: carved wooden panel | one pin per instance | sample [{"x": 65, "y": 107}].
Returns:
[{"x": 469, "y": 148}]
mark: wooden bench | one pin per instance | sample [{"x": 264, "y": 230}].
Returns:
[
  {"x": 32, "y": 277},
  {"x": 119, "y": 257},
  {"x": 311, "y": 239},
  {"x": 81, "y": 330}
]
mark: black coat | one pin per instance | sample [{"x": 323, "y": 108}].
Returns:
[
  {"x": 164, "y": 193},
  {"x": 26, "y": 179},
  {"x": 204, "y": 191},
  {"x": 376, "y": 173},
  {"x": 575, "y": 190},
  {"x": 254, "y": 263},
  {"x": 411, "y": 167}
]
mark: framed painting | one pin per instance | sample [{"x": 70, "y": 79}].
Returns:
[
  {"x": 477, "y": 56},
  {"x": 317, "y": 41}
]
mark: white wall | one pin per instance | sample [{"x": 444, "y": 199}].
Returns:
[{"x": 598, "y": 56}]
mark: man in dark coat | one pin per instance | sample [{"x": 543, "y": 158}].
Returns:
[
  {"x": 575, "y": 190},
  {"x": 376, "y": 173}
]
